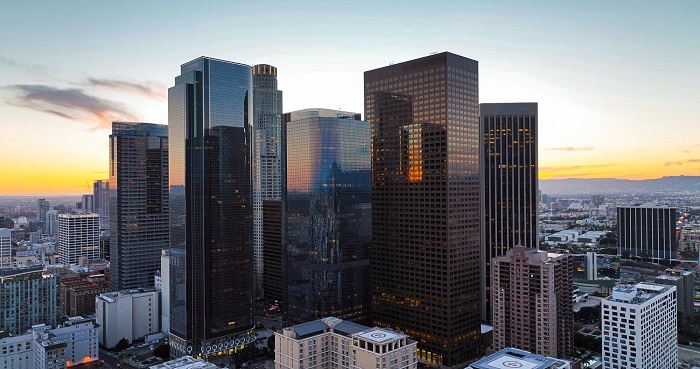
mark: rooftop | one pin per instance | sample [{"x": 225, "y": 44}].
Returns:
[
  {"x": 379, "y": 335},
  {"x": 509, "y": 358},
  {"x": 638, "y": 293},
  {"x": 185, "y": 362}
]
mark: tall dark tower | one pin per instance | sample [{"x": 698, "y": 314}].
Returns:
[
  {"x": 138, "y": 174},
  {"x": 268, "y": 156},
  {"x": 211, "y": 249},
  {"x": 509, "y": 151},
  {"x": 425, "y": 203}
]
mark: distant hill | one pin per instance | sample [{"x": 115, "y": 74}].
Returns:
[{"x": 613, "y": 186}]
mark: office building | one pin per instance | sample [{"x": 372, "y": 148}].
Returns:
[
  {"x": 509, "y": 358},
  {"x": 42, "y": 207},
  {"x": 29, "y": 297},
  {"x": 425, "y": 203},
  {"x": 5, "y": 248},
  {"x": 335, "y": 343},
  {"x": 328, "y": 215},
  {"x": 163, "y": 286},
  {"x": 78, "y": 293},
  {"x": 185, "y": 362},
  {"x": 585, "y": 266},
  {"x": 73, "y": 343},
  {"x": 100, "y": 195},
  {"x": 509, "y": 153},
  {"x": 532, "y": 302},
  {"x": 87, "y": 203},
  {"x": 78, "y": 237},
  {"x": 684, "y": 281},
  {"x": 51, "y": 222},
  {"x": 274, "y": 256},
  {"x": 268, "y": 155},
  {"x": 211, "y": 214},
  {"x": 647, "y": 233},
  {"x": 130, "y": 314},
  {"x": 639, "y": 325},
  {"x": 139, "y": 202}
]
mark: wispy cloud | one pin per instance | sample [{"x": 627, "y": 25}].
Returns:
[
  {"x": 19, "y": 65},
  {"x": 569, "y": 148},
  {"x": 674, "y": 163},
  {"x": 573, "y": 167},
  {"x": 70, "y": 103},
  {"x": 691, "y": 149},
  {"x": 149, "y": 89}
]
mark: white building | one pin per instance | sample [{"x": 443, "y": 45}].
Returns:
[
  {"x": 5, "y": 247},
  {"x": 509, "y": 358},
  {"x": 334, "y": 343},
  {"x": 640, "y": 328},
  {"x": 130, "y": 313},
  {"x": 78, "y": 237},
  {"x": 185, "y": 362},
  {"x": 162, "y": 284},
  {"x": 45, "y": 348}
]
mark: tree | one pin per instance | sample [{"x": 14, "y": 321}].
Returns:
[
  {"x": 162, "y": 351},
  {"x": 271, "y": 347},
  {"x": 122, "y": 344}
]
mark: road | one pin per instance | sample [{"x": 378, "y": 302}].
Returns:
[{"x": 688, "y": 352}]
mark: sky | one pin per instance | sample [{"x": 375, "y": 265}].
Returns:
[{"x": 617, "y": 82}]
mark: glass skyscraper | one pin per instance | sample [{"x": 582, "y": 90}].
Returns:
[
  {"x": 509, "y": 134},
  {"x": 211, "y": 245},
  {"x": 425, "y": 203},
  {"x": 268, "y": 149},
  {"x": 328, "y": 215},
  {"x": 138, "y": 193}
]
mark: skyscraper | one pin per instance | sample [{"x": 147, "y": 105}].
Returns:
[
  {"x": 647, "y": 233},
  {"x": 5, "y": 248},
  {"x": 509, "y": 152},
  {"x": 88, "y": 203},
  {"x": 425, "y": 203},
  {"x": 532, "y": 305},
  {"x": 29, "y": 297},
  {"x": 42, "y": 208},
  {"x": 100, "y": 194},
  {"x": 211, "y": 212},
  {"x": 78, "y": 237},
  {"x": 268, "y": 155},
  {"x": 138, "y": 175},
  {"x": 328, "y": 215}
]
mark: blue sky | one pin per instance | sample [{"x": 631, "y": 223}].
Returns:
[{"x": 617, "y": 81}]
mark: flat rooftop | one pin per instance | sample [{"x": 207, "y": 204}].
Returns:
[
  {"x": 510, "y": 358},
  {"x": 379, "y": 336}
]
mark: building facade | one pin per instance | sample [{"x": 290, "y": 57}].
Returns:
[
  {"x": 100, "y": 194},
  {"x": 328, "y": 215},
  {"x": 335, "y": 343},
  {"x": 425, "y": 203},
  {"x": 5, "y": 248},
  {"x": 78, "y": 293},
  {"x": 639, "y": 324},
  {"x": 78, "y": 237},
  {"x": 138, "y": 177},
  {"x": 532, "y": 302},
  {"x": 42, "y": 207},
  {"x": 647, "y": 233},
  {"x": 268, "y": 156},
  {"x": 684, "y": 281},
  {"x": 28, "y": 297},
  {"x": 129, "y": 314},
  {"x": 508, "y": 358},
  {"x": 274, "y": 256},
  {"x": 510, "y": 184},
  {"x": 211, "y": 214}
]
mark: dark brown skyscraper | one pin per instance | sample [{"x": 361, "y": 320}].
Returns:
[
  {"x": 425, "y": 203},
  {"x": 509, "y": 133}
]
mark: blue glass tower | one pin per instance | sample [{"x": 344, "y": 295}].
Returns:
[
  {"x": 328, "y": 215},
  {"x": 211, "y": 251}
]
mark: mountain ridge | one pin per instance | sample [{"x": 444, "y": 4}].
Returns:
[{"x": 615, "y": 186}]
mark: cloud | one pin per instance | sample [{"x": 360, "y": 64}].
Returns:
[
  {"x": 23, "y": 66},
  {"x": 674, "y": 163},
  {"x": 70, "y": 103},
  {"x": 691, "y": 149},
  {"x": 573, "y": 167},
  {"x": 569, "y": 148},
  {"x": 152, "y": 90}
]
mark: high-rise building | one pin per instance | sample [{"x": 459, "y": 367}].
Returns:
[
  {"x": 509, "y": 150},
  {"x": 274, "y": 256},
  {"x": 5, "y": 248},
  {"x": 337, "y": 344},
  {"x": 684, "y": 280},
  {"x": 639, "y": 324},
  {"x": 513, "y": 358},
  {"x": 100, "y": 195},
  {"x": 87, "y": 203},
  {"x": 42, "y": 207},
  {"x": 29, "y": 297},
  {"x": 129, "y": 314},
  {"x": 268, "y": 155},
  {"x": 138, "y": 178},
  {"x": 211, "y": 214},
  {"x": 647, "y": 233},
  {"x": 425, "y": 203},
  {"x": 78, "y": 237},
  {"x": 328, "y": 215},
  {"x": 51, "y": 222},
  {"x": 532, "y": 301}
]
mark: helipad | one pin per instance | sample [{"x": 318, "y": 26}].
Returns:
[
  {"x": 378, "y": 336},
  {"x": 511, "y": 362}
]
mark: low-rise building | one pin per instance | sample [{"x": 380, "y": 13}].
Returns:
[
  {"x": 185, "y": 362},
  {"x": 78, "y": 293},
  {"x": 335, "y": 343},
  {"x": 509, "y": 358},
  {"x": 129, "y": 314}
]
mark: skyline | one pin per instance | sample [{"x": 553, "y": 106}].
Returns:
[{"x": 614, "y": 82}]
